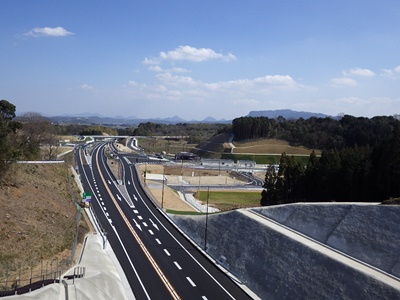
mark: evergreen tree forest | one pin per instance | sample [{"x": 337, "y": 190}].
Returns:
[{"x": 360, "y": 161}]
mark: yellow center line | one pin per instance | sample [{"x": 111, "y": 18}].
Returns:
[{"x": 160, "y": 273}]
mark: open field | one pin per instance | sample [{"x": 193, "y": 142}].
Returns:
[
  {"x": 271, "y": 146},
  {"x": 228, "y": 200}
]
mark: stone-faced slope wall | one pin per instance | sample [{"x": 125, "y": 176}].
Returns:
[
  {"x": 275, "y": 266},
  {"x": 370, "y": 233}
]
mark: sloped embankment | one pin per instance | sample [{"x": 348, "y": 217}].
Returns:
[
  {"x": 369, "y": 233},
  {"x": 275, "y": 266}
]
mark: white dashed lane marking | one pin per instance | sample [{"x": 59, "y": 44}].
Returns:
[
  {"x": 177, "y": 265},
  {"x": 191, "y": 282}
]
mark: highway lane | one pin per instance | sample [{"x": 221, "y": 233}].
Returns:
[
  {"x": 182, "y": 271},
  {"x": 176, "y": 252},
  {"x": 144, "y": 283}
]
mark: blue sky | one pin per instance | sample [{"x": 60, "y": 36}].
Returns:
[{"x": 197, "y": 59}]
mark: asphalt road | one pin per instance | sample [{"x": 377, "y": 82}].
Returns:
[{"x": 158, "y": 261}]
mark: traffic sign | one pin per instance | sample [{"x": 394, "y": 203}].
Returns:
[{"x": 86, "y": 197}]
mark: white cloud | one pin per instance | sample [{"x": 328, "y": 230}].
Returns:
[
  {"x": 168, "y": 78},
  {"x": 157, "y": 68},
  {"x": 86, "y": 86},
  {"x": 48, "y": 31},
  {"x": 178, "y": 70},
  {"x": 387, "y": 73},
  {"x": 359, "y": 72},
  {"x": 391, "y": 73},
  {"x": 277, "y": 80},
  {"x": 188, "y": 53},
  {"x": 265, "y": 83},
  {"x": 343, "y": 82}
]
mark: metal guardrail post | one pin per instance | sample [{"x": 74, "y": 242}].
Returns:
[{"x": 66, "y": 289}]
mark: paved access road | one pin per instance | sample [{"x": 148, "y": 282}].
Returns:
[{"x": 158, "y": 261}]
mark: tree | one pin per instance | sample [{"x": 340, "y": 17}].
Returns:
[
  {"x": 290, "y": 177},
  {"x": 37, "y": 132},
  {"x": 311, "y": 178},
  {"x": 270, "y": 194},
  {"x": 386, "y": 167},
  {"x": 8, "y": 129}
]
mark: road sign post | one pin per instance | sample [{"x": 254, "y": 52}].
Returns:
[{"x": 87, "y": 197}]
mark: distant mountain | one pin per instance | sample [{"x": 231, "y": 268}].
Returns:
[
  {"x": 121, "y": 121},
  {"x": 90, "y": 119},
  {"x": 286, "y": 113}
]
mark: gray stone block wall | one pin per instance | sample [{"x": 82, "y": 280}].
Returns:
[
  {"x": 370, "y": 233},
  {"x": 277, "y": 267}
]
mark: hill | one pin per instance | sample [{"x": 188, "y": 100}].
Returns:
[
  {"x": 37, "y": 217},
  {"x": 286, "y": 113}
]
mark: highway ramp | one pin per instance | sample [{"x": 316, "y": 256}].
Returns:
[{"x": 311, "y": 256}]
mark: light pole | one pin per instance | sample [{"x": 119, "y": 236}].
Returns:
[
  {"x": 205, "y": 234},
  {"x": 162, "y": 195},
  {"x": 198, "y": 190}
]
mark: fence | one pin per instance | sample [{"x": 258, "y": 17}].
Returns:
[{"x": 16, "y": 280}]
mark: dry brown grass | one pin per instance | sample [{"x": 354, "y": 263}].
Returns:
[
  {"x": 37, "y": 216},
  {"x": 270, "y": 146}
]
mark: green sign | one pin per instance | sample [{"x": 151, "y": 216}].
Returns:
[{"x": 86, "y": 197}]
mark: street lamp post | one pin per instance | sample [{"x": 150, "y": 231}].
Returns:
[
  {"x": 162, "y": 195},
  {"x": 205, "y": 234}
]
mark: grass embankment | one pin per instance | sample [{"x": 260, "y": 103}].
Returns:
[
  {"x": 37, "y": 217},
  {"x": 266, "y": 151},
  {"x": 230, "y": 200}
]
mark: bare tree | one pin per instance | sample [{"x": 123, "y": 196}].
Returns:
[{"x": 37, "y": 133}]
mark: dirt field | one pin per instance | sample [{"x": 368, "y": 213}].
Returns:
[{"x": 200, "y": 178}]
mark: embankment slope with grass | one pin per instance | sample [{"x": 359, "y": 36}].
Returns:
[{"x": 37, "y": 215}]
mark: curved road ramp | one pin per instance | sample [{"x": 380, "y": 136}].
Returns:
[{"x": 306, "y": 251}]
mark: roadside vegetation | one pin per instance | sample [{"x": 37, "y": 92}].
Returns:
[
  {"x": 229, "y": 200},
  {"x": 38, "y": 214}
]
